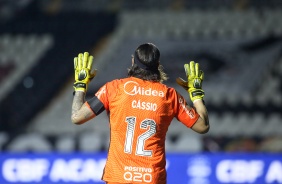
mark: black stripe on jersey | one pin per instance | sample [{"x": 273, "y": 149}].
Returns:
[{"x": 96, "y": 105}]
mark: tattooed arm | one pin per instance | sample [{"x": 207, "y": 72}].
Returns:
[
  {"x": 80, "y": 111},
  {"x": 202, "y": 125}
]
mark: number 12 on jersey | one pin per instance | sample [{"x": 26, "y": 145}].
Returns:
[{"x": 148, "y": 124}]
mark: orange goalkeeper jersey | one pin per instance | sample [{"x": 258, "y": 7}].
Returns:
[{"x": 140, "y": 113}]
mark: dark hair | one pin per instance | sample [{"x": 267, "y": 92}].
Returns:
[{"x": 147, "y": 64}]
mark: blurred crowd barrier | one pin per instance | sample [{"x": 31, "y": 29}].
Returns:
[{"x": 188, "y": 168}]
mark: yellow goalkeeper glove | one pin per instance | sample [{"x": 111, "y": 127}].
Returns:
[
  {"x": 83, "y": 71},
  {"x": 195, "y": 78}
]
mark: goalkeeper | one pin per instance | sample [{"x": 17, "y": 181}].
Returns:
[{"x": 140, "y": 109}]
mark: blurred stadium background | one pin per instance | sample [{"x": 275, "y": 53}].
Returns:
[{"x": 237, "y": 42}]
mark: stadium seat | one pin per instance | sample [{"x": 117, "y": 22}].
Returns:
[
  {"x": 65, "y": 143},
  {"x": 90, "y": 141},
  {"x": 30, "y": 142}
]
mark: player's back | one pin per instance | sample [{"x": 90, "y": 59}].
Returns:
[{"x": 140, "y": 114}]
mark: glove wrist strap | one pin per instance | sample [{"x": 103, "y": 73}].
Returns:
[{"x": 80, "y": 85}]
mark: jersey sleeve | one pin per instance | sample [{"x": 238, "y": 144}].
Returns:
[
  {"x": 184, "y": 113},
  {"x": 95, "y": 105},
  {"x": 101, "y": 94},
  {"x": 107, "y": 92}
]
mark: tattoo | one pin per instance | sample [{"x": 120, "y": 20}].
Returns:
[{"x": 78, "y": 101}]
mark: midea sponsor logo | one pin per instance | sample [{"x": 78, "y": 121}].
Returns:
[{"x": 132, "y": 88}]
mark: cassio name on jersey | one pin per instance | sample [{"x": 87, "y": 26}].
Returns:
[{"x": 138, "y": 104}]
